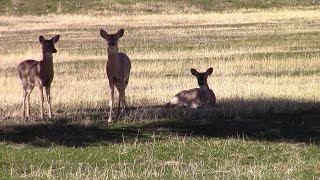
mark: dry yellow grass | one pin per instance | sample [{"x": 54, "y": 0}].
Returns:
[{"x": 255, "y": 55}]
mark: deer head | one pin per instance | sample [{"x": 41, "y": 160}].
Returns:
[
  {"x": 202, "y": 77},
  {"x": 112, "y": 39},
  {"x": 48, "y": 45}
]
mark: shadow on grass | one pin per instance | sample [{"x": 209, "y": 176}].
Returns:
[
  {"x": 65, "y": 134},
  {"x": 270, "y": 120}
]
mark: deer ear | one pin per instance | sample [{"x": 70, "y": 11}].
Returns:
[
  {"x": 209, "y": 71},
  {"x": 41, "y": 39},
  {"x": 55, "y": 38},
  {"x": 103, "y": 34},
  {"x": 120, "y": 33},
  {"x": 194, "y": 72}
]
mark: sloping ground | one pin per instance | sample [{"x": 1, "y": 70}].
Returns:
[{"x": 39, "y": 7}]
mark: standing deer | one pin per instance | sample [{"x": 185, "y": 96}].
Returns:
[
  {"x": 118, "y": 69},
  {"x": 38, "y": 73},
  {"x": 197, "y": 97}
]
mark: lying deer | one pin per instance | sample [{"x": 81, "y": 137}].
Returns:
[
  {"x": 197, "y": 97},
  {"x": 118, "y": 69},
  {"x": 38, "y": 73}
]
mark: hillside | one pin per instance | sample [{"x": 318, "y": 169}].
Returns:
[{"x": 40, "y": 7}]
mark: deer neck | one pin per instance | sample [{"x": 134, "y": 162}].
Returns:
[
  {"x": 47, "y": 56},
  {"x": 204, "y": 92},
  {"x": 113, "y": 57},
  {"x": 47, "y": 61},
  {"x": 204, "y": 88}
]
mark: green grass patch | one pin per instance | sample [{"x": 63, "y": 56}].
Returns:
[{"x": 172, "y": 157}]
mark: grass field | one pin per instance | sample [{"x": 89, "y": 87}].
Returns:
[{"x": 266, "y": 79}]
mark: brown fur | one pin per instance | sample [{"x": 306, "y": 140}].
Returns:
[
  {"x": 197, "y": 97},
  {"x": 38, "y": 73},
  {"x": 118, "y": 69}
]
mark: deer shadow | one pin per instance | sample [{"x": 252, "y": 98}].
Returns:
[
  {"x": 266, "y": 120},
  {"x": 262, "y": 119}
]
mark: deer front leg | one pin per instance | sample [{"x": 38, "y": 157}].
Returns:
[
  {"x": 47, "y": 88},
  {"x": 123, "y": 96},
  {"x": 118, "y": 112},
  {"x": 41, "y": 101},
  {"x": 111, "y": 101},
  {"x": 122, "y": 101}
]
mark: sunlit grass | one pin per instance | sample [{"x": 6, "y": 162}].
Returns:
[{"x": 273, "y": 56}]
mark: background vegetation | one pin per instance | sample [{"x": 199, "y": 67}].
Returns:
[
  {"x": 265, "y": 56},
  {"x": 108, "y": 7}
]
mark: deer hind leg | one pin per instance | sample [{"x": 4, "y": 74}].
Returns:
[
  {"x": 48, "y": 98},
  {"x": 41, "y": 101},
  {"x": 24, "y": 98},
  {"x": 111, "y": 101},
  {"x": 27, "y": 89}
]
